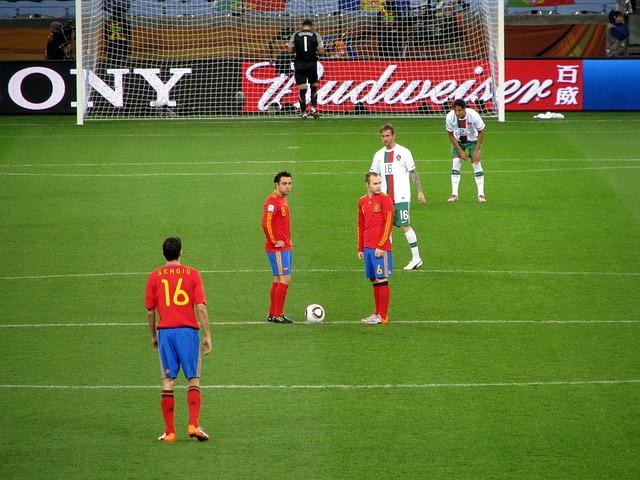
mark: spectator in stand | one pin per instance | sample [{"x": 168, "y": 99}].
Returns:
[
  {"x": 279, "y": 55},
  {"x": 264, "y": 6},
  {"x": 391, "y": 37},
  {"x": 617, "y": 35},
  {"x": 338, "y": 48},
  {"x": 117, "y": 32}
]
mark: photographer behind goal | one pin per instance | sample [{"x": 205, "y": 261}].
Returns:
[{"x": 59, "y": 42}]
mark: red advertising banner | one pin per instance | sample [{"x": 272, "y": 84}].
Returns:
[
  {"x": 543, "y": 84},
  {"x": 412, "y": 85}
]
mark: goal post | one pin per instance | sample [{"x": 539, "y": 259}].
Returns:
[{"x": 228, "y": 58}]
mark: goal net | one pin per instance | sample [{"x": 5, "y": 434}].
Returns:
[{"x": 227, "y": 58}]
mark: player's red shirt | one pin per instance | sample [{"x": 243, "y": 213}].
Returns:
[
  {"x": 174, "y": 290},
  {"x": 275, "y": 222},
  {"x": 375, "y": 220}
]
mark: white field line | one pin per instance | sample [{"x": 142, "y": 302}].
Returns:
[
  {"x": 341, "y": 386},
  {"x": 330, "y": 270},
  {"x": 300, "y": 161},
  {"x": 211, "y": 174},
  {"x": 439, "y": 119},
  {"x": 84, "y": 133},
  {"x": 336, "y": 323}
]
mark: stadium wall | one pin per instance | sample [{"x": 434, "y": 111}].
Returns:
[{"x": 531, "y": 85}]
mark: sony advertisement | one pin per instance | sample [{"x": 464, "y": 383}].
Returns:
[{"x": 229, "y": 87}]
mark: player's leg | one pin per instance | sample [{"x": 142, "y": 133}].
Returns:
[
  {"x": 370, "y": 273},
  {"x": 378, "y": 270},
  {"x": 301, "y": 81},
  {"x": 188, "y": 349},
  {"x": 284, "y": 269},
  {"x": 170, "y": 365},
  {"x": 402, "y": 220},
  {"x": 478, "y": 174},
  {"x": 313, "y": 80},
  {"x": 455, "y": 175}
]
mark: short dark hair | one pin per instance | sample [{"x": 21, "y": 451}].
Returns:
[
  {"x": 388, "y": 126},
  {"x": 368, "y": 176},
  {"x": 279, "y": 175},
  {"x": 307, "y": 22},
  {"x": 171, "y": 248},
  {"x": 458, "y": 102}
]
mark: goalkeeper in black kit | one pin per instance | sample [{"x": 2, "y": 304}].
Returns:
[{"x": 306, "y": 44}]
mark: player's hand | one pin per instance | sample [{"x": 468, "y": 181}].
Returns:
[
  {"x": 379, "y": 253},
  {"x": 421, "y": 197},
  {"x": 154, "y": 343},
  {"x": 463, "y": 155},
  {"x": 475, "y": 157},
  {"x": 360, "y": 256},
  {"x": 279, "y": 244},
  {"x": 206, "y": 345}
]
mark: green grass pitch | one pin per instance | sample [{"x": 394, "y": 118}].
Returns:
[{"x": 514, "y": 353}]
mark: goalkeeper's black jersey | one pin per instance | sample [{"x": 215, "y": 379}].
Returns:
[{"x": 305, "y": 44}]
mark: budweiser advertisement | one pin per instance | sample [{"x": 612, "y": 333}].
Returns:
[{"x": 408, "y": 86}]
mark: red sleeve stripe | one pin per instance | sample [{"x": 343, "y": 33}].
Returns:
[
  {"x": 387, "y": 229},
  {"x": 269, "y": 227}
]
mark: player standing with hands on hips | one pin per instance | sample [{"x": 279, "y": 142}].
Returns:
[
  {"x": 277, "y": 231},
  {"x": 306, "y": 44},
  {"x": 173, "y": 291},
  {"x": 395, "y": 164},
  {"x": 465, "y": 128},
  {"x": 375, "y": 221}
]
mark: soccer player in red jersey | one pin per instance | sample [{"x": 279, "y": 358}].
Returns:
[
  {"x": 375, "y": 220},
  {"x": 173, "y": 291},
  {"x": 277, "y": 245}
]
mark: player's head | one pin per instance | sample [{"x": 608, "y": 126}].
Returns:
[
  {"x": 172, "y": 248},
  {"x": 388, "y": 135},
  {"x": 307, "y": 23},
  {"x": 282, "y": 182},
  {"x": 459, "y": 106},
  {"x": 373, "y": 182}
]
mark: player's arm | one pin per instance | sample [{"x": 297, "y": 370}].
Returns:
[
  {"x": 360, "y": 232},
  {"x": 151, "y": 319},
  {"x": 321, "y": 49},
  {"x": 150, "y": 304},
  {"x": 291, "y": 44},
  {"x": 387, "y": 226},
  {"x": 475, "y": 157},
  {"x": 267, "y": 225},
  {"x": 456, "y": 144},
  {"x": 416, "y": 182},
  {"x": 203, "y": 319}
]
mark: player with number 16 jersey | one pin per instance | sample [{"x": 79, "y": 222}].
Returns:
[{"x": 173, "y": 290}]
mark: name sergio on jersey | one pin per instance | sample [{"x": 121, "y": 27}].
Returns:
[{"x": 173, "y": 271}]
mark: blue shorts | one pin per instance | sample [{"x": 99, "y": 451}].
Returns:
[
  {"x": 375, "y": 267},
  {"x": 280, "y": 262},
  {"x": 179, "y": 347}
]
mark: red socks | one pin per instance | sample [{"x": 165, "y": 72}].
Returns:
[
  {"x": 168, "y": 403},
  {"x": 272, "y": 297},
  {"x": 278, "y": 298},
  {"x": 194, "y": 399},
  {"x": 381, "y": 295}
]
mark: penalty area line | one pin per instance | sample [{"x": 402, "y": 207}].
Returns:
[
  {"x": 336, "y": 323},
  {"x": 339, "y": 386},
  {"x": 422, "y": 271}
]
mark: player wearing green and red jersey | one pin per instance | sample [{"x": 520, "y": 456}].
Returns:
[
  {"x": 396, "y": 166},
  {"x": 173, "y": 291}
]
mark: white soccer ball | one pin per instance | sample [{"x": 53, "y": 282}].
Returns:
[{"x": 314, "y": 313}]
